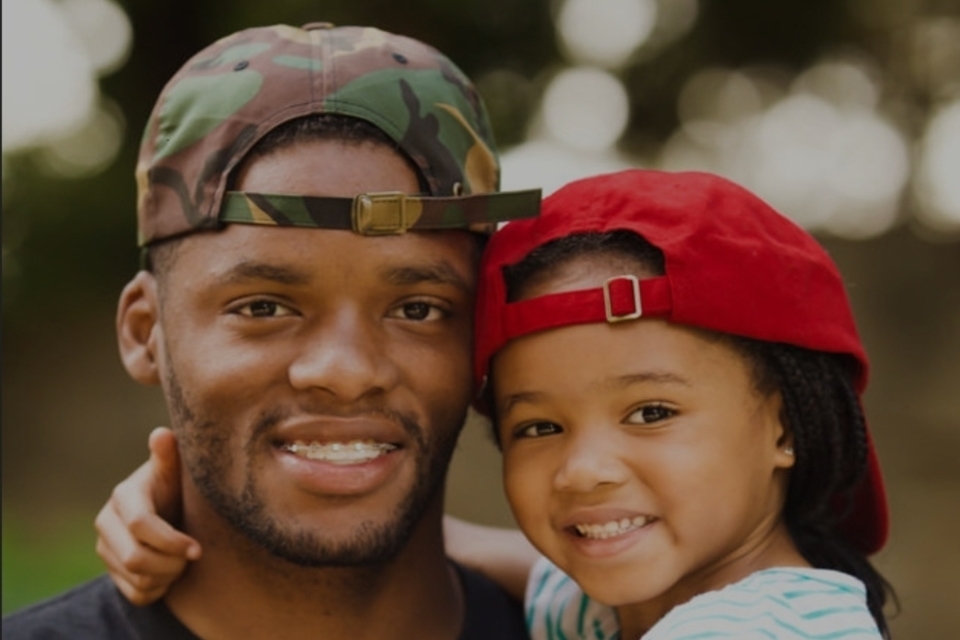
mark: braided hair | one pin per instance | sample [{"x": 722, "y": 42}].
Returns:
[{"x": 821, "y": 410}]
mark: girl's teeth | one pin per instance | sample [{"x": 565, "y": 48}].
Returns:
[
  {"x": 612, "y": 528},
  {"x": 354, "y": 452}
]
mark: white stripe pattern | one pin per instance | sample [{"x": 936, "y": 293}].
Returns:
[{"x": 780, "y": 604}]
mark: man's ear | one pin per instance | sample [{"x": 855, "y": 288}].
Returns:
[{"x": 138, "y": 328}]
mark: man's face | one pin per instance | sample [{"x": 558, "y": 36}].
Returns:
[{"x": 318, "y": 379}]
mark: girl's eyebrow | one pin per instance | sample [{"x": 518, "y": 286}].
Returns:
[
  {"x": 518, "y": 398},
  {"x": 661, "y": 377},
  {"x": 618, "y": 382}
]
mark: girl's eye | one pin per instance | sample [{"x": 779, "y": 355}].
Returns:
[
  {"x": 264, "y": 309},
  {"x": 650, "y": 413},
  {"x": 418, "y": 311},
  {"x": 538, "y": 429}
]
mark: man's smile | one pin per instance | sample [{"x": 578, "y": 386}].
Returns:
[{"x": 343, "y": 453}]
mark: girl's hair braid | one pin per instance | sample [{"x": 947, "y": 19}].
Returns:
[{"x": 822, "y": 412}]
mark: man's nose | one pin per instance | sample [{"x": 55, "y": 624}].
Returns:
[{"x": 345, "y": 357}]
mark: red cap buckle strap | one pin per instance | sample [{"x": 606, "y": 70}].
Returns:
[
  {"x": 617, "y": 300},
  {"x": 621, "y": 299}
]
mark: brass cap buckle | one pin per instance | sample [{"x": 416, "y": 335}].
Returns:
[{"x": 380, "y": 214}]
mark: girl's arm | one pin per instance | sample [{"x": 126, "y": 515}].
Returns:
[
  {"x": 143, "y": 552},
  {"x": 503, "y": 555}
]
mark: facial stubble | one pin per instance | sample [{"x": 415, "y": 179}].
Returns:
[{"x": 205, "y": 450}]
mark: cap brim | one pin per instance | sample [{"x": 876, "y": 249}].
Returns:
[{"x": 867, "y": 523}]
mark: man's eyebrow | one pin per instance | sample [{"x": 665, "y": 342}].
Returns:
[
  {"x": 439, "y": 272},
  {"x": 250, "y": 270}
]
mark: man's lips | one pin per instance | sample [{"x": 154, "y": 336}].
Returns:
[
  {"x": 355, "y": 452},
  {"x": 340, "y": 456},
  {"x": 331, "y": 436}
]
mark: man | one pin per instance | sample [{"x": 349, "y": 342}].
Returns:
[{"x": 309, "y": 322}]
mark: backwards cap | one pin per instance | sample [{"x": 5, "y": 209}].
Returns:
[
  {"x": 229, "y": 95},
  {"x": 732, "y": 263}
]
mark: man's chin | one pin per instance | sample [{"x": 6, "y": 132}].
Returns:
[{"x": 363, "y": 545}]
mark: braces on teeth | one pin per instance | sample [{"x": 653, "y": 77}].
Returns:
[{"x": 338, "y": 452}]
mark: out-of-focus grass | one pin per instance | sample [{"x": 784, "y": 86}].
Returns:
[{"x": 39, "y": 562}]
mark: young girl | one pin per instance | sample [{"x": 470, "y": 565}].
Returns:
[{"x": 673, "y": 373}]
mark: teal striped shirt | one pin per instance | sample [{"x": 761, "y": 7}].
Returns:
[{"x": 780, "y": 604}]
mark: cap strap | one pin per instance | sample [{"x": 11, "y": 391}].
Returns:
[
  {"x": 621, "y": 298},
  {"x": 384, "y": 213}
]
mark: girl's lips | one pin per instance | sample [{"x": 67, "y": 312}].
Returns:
[
  {"x": 606, "y": 531},
  {"x": 611, "y": 528},
  {"x": 598, "y": 516}
]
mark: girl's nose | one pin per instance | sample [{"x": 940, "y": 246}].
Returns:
[{"x": 590, "y": 463}]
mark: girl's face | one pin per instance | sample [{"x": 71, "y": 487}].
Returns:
[{"x": 638, "y": 456}]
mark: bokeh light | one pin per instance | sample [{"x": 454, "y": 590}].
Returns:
[
  {"x": 605, "y": 32},
  {"x": 103, "y": 28},
  {"x": 548, "y": 165},
  {"x": 48, "y": 80},
  {"x": 938, "y": 179},
  {"x": 816, "y": 149},
  {"x": 53, "y": 56},
  {"x": 89, "y": 149},
  {"x": 935, "y": 55},
  {"x": 585, "y": 108}
]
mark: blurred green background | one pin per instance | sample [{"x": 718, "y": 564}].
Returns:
[{"x": 845, "y": 114}]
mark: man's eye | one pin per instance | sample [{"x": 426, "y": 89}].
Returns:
[
  {"x": 650, "y": 413},
  {"x": 538, "y": 429},
  {"x": 264, "y": 309},
  {"x": 419, "y": 311}
]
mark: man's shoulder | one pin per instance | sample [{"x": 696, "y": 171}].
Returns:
[
  {"x": 490, "y": 611},
  {"x": 83, "y": 611},
  {"x": 94, "y": 609}
]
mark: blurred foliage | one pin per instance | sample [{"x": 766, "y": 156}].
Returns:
[{"x": 37, "y": 564}]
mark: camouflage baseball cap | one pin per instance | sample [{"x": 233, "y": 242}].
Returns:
[{"x": 228, "y": 96}]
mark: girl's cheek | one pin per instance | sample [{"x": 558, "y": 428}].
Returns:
[{"x": 526, "y": 489}]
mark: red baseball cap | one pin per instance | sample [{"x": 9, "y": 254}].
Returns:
[{"x": 733, "y": 265}]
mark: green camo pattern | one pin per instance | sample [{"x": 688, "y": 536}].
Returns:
[{"x": 228, "y": 96}]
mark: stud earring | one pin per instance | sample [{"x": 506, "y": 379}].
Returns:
[{"x": 788, "y": 450}]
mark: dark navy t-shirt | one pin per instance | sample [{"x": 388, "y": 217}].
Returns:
[{"x": 98, "y": 611}]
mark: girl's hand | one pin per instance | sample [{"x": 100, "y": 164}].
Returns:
[{"x": 143, "y": 552}]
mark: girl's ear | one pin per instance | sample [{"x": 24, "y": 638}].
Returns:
[
  {"x": 782, "y": 438},
  {"x": 138, "y": 328}
]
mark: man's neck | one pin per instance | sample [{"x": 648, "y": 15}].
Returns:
[{"x": 237, "y": 589}]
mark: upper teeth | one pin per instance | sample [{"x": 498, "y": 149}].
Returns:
[
  {"x": 340, "y": 452},
  {"x": 612, "y": 528}
]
